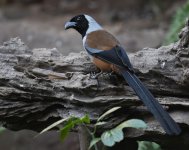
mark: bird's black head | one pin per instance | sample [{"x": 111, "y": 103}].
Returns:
[{"x": 79, "y": 23}]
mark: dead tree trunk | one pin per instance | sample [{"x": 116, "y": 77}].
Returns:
[{"x": 40, "y": 86}]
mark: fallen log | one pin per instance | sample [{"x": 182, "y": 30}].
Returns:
[{"x": 41, "y": 86}]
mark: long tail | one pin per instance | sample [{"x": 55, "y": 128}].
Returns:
[{"x": 169, "y": 125}]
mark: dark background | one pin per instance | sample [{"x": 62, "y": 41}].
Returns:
[{"x": 40, "y": 24}]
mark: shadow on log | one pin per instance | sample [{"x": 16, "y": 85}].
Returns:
[{"x": 40, "y": 86}]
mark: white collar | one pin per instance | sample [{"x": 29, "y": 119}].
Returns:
[{"x": 93, "y": 25}]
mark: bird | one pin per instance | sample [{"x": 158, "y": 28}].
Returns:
[{"x": 108, "y": 55}]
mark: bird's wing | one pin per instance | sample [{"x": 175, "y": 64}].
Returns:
[{"x": 116, "y": 56}]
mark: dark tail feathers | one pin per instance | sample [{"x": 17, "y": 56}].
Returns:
[{"x": 169, "y": 125}]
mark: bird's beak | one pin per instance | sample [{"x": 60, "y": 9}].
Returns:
[{"x": 70, "y": 25}]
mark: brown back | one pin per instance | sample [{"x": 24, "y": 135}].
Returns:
[{"x": 101, "y": 40}]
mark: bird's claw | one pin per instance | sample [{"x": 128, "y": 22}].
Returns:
[{"x": 95, "y": 75}]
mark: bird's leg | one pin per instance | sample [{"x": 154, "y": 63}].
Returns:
[
  {"x": 95, "y": 75},
  {"x": 111, "y": 73},
  {"x": 113, "y": 77}
]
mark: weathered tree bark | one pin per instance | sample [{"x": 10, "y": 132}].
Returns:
[{"x": 40, "y": 86}]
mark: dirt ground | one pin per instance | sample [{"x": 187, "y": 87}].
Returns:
[
  {"x": 27, "y": 140},
  {"x": 137, "y": 24}
]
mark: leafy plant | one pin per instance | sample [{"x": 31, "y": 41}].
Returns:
[
  {"x": 177, "y": 23},
  {"x": 108, "y": 138},
  {"x": 95, "y": 140},
  {"x": 71, "y": 122},
  {"x": 145, "y": 145},
  {"x": 53, "y": 125},
  {"x": 108, "y": 112}
]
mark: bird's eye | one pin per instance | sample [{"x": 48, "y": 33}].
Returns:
[{"x": 79, "y": 18}]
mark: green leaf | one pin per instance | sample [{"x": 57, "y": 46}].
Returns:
[
  {"x": 107, "y": 139},
  {"x": 65, "y": 131},
  {"x": 177, "y": 24},
  {"x": 132, "y": 123},
  {"x": 69, "y": 125},
  {"x": 93, "y": 142},
  {"x": 117, "y": 134},
  {"x": 53, "y": 125},
  {"x": 108, "y": 112},
  {"x": 100, "y": 123},
  {"x": 72, "y": 122},
  {"x": 146, "y": 145},
  {"x": 85, "y": 119}
]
